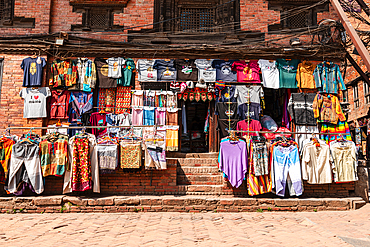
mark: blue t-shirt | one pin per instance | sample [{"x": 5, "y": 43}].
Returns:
[
  {"x": 226, "y": 95},
  {"x": 149, "y": 115},
  {"x": 223, "y": 70},
  {"x": 166, "y": 70},
  {"x": 32, "y": 71}
]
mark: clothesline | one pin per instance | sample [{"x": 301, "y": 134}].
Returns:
[
  {"x": 133, "y": 106},
  {"x": 284, "y": 132},
  {"x": 86, "y": 127}
]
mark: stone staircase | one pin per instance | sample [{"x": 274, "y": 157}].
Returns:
[{"x": 199, "y": 174}]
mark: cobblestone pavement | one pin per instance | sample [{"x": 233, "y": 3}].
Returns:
[{"x": 327, "y": 228}]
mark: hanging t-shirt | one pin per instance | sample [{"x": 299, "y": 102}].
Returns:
[
  {"x": 98, "y": 119},
  {"x": 228, "y": 94},
  {"x": 305, "y": 75},
  {"x": 146, "y": 70},
  {"x": 102, "y": 73},
  {"x": 270, "y": 73},
  {"x": 287, "y": 72},
  {"x": 253, "y": 125},
  {"x": 247, "y": 71},
  {"x": 186, "y": 70},
  {"x": 254, "y": 93},
  {"x": 115, "y": 67},
  {"x": 226, "y": 110},
  {"x": 32, "y": 71},
  {"x": 254, "y": 111},
  {"x": 205, "y": 70},
  {"x": 127, "y": 70},
  {"x": 35, "y": 102},
  {"x": 224, "y": 125},
  {"x": 149, "y": 115},
  {"x": 166, "y": 70},
  {"x": 224, "y": 71}
]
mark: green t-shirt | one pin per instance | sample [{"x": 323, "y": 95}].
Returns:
[
  {"x": 287, "y": 72},
  {"x": 127, "y": 70}
]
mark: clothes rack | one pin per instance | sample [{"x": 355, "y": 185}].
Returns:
[
  {"x": 283, "y": 132},
  {"x": 83, "y": 127}
]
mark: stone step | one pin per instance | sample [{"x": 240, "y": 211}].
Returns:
[
  {"x": 187, "y": 203},
  {"x": 201, "y": 188},
  {"x": 200, "y": 179},
  {"x": 196, "y": 162},
  {"x": 203, "y": 170},
  {"x": 192, "y": 155}
]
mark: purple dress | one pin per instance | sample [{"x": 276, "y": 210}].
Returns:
[{"x": 233, "y": 161}]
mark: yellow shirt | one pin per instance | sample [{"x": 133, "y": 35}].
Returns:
[{"x": 305, "y": 75}]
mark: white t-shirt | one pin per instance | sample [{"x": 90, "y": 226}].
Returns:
[
  {"x": 205, "y": 70},
  {"x": 115, "y": 67},
  {"x": 146, "y": 71},
  {"x": 35, "y": 102},
  {"x": 255, "y": 94},
  {"x": 270, "y": 73}
]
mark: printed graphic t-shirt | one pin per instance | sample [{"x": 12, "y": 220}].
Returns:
[
  {"x": 247, "y": 71},
  {"x": 146, "y": 70},
  {"x": 224, "y": 71},
  {"x": 102, "y": 69},
  {"x": 98, "y": 119},
  {"x": 270, "y": 73},
  {"x": 205, "y": 70},
  {"x": 115, "y": 67},
  {"x": 226, "y": 110},
  {"x": 35, "y": 102},
  {"x": 166, "y": 70},
  {"x": 32, "y": 71},
  {"x": 186, "y": 70},
  {"x": 287, "y": 72}
]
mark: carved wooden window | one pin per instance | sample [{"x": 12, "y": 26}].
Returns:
[
  {"x": 6, "y": 11},
  {"x": 7, "y": 18},
  {"x": 297, "y": 19},
  {"x": 356, "y": 99},
  {"x": 97, "y": 14},
  {"x": 296, "y": 14},
  {"x": 196, "y": 15}
]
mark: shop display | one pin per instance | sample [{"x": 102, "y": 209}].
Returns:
[{"x": 136, "y": 124}]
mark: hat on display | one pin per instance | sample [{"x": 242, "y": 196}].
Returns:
[
  {"x": 190, "y": 84},
  {"x": 183, "y": 86},
  {"x": 211, "y": 87},
  {"x": 201, "y": 84},
  {"x": 174, "y": 86}
]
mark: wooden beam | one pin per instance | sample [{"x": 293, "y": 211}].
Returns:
[
  {"x": 358, "y": 68},
  {"x": 361, "y": 49},
  {"x": 363, "y": 6}
]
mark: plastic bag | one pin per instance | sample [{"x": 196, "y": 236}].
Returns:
[{"x": 268, "y": 123}]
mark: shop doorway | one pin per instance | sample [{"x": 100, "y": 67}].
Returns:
[{"x": 194, "y": 140}]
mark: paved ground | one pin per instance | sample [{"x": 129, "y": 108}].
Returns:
[{"x": 327, "y": 228}]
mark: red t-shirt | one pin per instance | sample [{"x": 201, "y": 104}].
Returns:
[
  {"x": 254, "y": 125},
  {"x": 98, "y": 119},
  {"x": 247, "y": 72}
]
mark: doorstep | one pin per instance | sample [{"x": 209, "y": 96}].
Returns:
[{"x": 120, "y": 204}]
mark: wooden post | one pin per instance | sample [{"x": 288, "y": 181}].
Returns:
[{"x": 361, "y": 49}]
